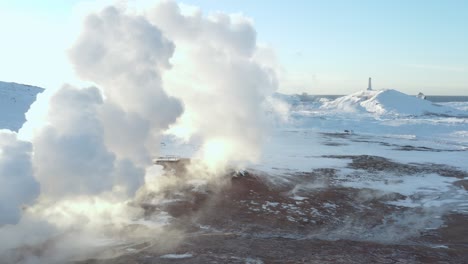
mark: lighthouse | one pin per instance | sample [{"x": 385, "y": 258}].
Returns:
[{"x": 369, "y": 88}]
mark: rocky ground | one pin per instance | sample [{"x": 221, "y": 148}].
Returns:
[{"x": 303, "y": 218}]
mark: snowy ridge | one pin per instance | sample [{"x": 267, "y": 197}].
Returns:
[
  {"x": 389, "y": 102},
  {"x": 15, "y": 100}
]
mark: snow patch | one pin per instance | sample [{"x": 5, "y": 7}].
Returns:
[
  {"x": 390, "y": 102},
  {"x": 15, "y": 100},
  {"x": 177, "y": 256}
]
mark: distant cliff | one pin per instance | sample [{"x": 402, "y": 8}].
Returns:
[{"x": 15, "y": 100}]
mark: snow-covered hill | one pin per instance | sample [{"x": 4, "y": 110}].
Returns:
[
  {"x": 390, "y": 102},
  {"x": 15, "y": 100}
]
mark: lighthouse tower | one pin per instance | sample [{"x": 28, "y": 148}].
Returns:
[{"x": 369, "y": 88}]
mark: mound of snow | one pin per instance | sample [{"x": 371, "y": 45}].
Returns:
[
  {"x": 389, "y": 102},
  {"x": 15, "y": 100}
]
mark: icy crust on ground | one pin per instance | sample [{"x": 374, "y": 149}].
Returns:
[
  {"x": 463, "y": 106},
  {"x": 177, "y": 256},
  {"x": 422, "y": 138},
  {"x": 307, "y": 131},
  {"x": 15, "y": 100},
  {"x": 389, "y": 102},
  {"x": 426, "y": 191}
]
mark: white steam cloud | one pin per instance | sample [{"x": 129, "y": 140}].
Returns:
[
  {"x": 125, "y": 56},
  {"x": 17, "y": 185},
  {"x": 220, "y": 81},
  {"x": 194, "y": 76},
  {"x": 93, "y": 144}
]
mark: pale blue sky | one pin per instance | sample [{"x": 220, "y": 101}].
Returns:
[{"x": 325, "y": 47}]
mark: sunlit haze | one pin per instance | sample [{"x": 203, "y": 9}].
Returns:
[{"x": 320, "y": 47}]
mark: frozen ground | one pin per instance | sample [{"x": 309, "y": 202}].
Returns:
[
  {"x": 422, "y": 132},
  {"x": 380, "y": 168},
  {"x": 373, "y": 177}
]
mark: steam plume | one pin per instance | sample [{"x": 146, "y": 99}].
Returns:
[
  {"x": 217, "y": 76},
  {"x": 17, "y": 185},
  {"x": 95, "y": 147},
  {"x": 125, "y": 56}
]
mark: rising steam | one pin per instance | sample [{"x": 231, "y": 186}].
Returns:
[
  {"x": 18, "y": 186},
  {"x": 221, "y": 83},
  {"x": 75, "y": 179}
]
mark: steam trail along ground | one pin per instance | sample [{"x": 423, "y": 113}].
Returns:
[
  {"x": 339, "y": 184},
  {"x": 252, "y": 220}
]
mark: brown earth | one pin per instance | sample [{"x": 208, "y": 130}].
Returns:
[{"x": 305, "y": 219}]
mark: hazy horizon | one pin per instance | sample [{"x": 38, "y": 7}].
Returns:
[
  {"x": 318, "y": 47},
  {"x": 299, "y": 92}
]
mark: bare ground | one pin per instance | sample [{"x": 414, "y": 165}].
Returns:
[{"x": 305, "y": 219}]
